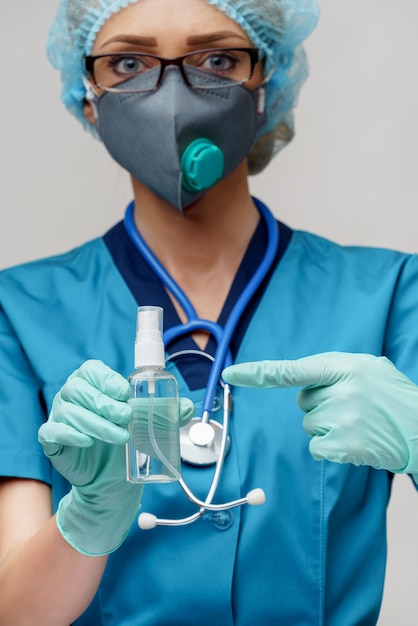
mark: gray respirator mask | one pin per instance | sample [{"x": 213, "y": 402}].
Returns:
[{"x": 177, "y": 141}]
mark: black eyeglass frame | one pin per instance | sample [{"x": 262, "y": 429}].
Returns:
[{"x": 253, "y": 53}]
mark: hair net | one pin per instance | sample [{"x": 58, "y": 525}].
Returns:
[{"x": 276, "y": 27}]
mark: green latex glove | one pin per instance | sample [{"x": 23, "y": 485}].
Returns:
[
  {"x": 359, "y": 408},
  {"x": 84, "y": 438}
]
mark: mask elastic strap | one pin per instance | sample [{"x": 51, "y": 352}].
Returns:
[
  {"x": 261, "y": 104},
  {"x": 90, "y": 96}
]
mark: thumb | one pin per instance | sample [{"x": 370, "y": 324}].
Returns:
[
  {"x": 187, "y": 411},
  {"x": 319, "y": 369}
]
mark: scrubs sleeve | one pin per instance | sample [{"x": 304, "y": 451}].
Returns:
[
  {"x": 401, "y": 340},
  {"x": 22, "y": 411}
]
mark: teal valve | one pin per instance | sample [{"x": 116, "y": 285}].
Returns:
[{"x": 202, "y": 165}]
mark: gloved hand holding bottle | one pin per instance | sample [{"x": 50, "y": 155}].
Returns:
[
  {"x": 359, "y": 408},
  {"x": 85, "y": 438}
]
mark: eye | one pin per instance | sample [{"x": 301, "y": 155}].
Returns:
[
  {"x": 219, "y": 62},
  {"x": 128, "y": 65}
]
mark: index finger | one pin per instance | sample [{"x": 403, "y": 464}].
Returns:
[
  {"x": 103, "y": 378},
  {"x": 317, "y": 370}
]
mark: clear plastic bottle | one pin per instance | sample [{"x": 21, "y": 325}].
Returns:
[{"x": 153, "y": 451}]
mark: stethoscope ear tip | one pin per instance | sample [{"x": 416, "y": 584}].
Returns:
[
  {"x": 147, "y": 521},
  {"x": 256, "y": 497}
]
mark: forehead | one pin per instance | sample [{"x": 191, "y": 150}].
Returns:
[{"x": 167, "y": 20}]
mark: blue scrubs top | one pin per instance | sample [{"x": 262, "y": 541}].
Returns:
[{"x": 315, "y": 553}]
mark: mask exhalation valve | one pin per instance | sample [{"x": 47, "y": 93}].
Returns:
[{"x": 202, "y": 165}]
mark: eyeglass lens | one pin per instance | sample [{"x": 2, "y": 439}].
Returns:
[{"x": 112, "y": 71}]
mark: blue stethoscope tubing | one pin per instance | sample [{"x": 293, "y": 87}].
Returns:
[
  {"x": 222, "y": 358},
  {"x": 223, "y": 335}
]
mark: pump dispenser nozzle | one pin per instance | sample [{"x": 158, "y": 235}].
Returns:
[{"x": 149, "y": 345}]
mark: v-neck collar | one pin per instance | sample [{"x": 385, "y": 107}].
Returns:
[{"x": 147, "y": 289}]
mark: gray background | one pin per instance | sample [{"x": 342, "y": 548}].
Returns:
[{"x": 349, "y": 175}]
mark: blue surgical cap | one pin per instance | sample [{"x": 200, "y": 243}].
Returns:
[{"x": 276, "y": 27}]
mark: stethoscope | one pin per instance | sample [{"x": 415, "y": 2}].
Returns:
[{"x": 203, "y": 441}]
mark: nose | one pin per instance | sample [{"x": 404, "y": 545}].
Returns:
[
  {"x": 170, "y": 69},
  {"x": 202, "y": 162}
]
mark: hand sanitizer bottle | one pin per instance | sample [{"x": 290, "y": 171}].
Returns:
[{"x": 153, "y": 451}]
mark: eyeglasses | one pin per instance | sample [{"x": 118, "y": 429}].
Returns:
[{"x": 113, "y": 72}]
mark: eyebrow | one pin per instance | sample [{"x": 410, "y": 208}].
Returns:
[
  {"x": 193, "y": 40},
  {"x": 212, "y": 37},
  {"x": 132, "y": 39}
]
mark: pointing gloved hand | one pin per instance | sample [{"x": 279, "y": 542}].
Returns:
[
  {"x": 359, "y": 408},
  {"x": 84, "y": 439}
]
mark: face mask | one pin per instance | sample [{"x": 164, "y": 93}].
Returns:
[{"x": 178, "y": 141}]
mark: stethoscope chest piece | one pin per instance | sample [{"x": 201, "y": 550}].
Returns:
[{"x": 201, "y": 442}]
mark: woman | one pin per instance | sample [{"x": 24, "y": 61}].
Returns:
[{"x": 315, "y": 552}]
